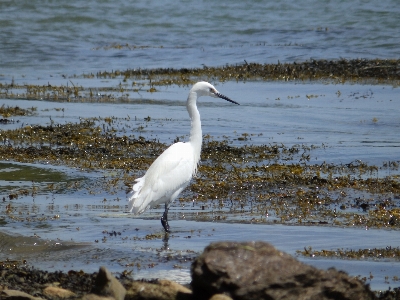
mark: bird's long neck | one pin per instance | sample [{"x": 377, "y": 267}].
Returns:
[{"x": 196, "y": 136}]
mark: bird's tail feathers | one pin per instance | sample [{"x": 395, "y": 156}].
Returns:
[{"x": 134, "y": 206}]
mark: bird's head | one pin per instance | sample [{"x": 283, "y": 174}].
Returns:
[{"x": 203, "y": 88}]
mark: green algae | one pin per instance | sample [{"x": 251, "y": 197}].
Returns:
[{"x": 10, "y": 172}]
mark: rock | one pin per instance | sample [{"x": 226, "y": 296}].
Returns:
[
  {"x": 167, "y": 284},
  {"x": 96, "y": 297},
  {"x": 256, "y": 270},
  {"x": 157, "y": 290},
  {"x": 16, "y": 295},
  {"x": 58, "y": 293},
  {"x": 220, "y": 297},
  {"x": 107, "y": 285}
]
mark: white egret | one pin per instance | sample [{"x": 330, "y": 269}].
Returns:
[{"x": 172, "y": 171}]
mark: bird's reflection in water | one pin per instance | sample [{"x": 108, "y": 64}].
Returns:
[{"x": 165, "y": 240}]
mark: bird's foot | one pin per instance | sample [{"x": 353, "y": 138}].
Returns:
[{"x": 164, "y": 223}]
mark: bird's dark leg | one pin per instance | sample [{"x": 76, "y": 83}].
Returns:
[
  {"x": 164, "y": 218},
  {"x": 165, "y": 241}
]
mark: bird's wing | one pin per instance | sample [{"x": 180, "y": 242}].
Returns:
[{"x": 169, "y": 174}]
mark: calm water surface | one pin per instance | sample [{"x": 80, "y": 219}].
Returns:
[{"x": 58, "y": 37}]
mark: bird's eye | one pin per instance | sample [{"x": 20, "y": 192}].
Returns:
[{"x": 213, "y": 91}]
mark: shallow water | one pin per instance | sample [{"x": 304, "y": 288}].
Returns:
[
  {"x": 139, "y": 245},
  {"x": 344, "y": 122}
]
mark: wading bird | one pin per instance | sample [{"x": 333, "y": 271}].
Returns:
[{"x": 172, "y": 171}]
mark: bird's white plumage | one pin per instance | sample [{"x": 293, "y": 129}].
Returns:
[
  {"x": 169, "y": 174},
  {"x": 172, "y": 171}
]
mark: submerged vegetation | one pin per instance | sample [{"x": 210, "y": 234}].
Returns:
[
  {"x": 384, "y": 253},
  {"x": 8, "y": 111}
]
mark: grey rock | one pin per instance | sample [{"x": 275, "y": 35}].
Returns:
[
  {"x": 54, "y": 292},
  {"x": 256, "y": 270},
  {"x": 107, "y": 285},
  {"x": 158, "y": 290}
]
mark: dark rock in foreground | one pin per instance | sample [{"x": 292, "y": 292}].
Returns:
[{"x": 256, "y": 270}]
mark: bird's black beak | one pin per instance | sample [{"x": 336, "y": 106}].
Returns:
[{"x": 225, "y": 98}]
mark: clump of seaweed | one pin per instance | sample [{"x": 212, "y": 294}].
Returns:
[
  {"x": 337, "y": 70},
  {"x": 9, "y": 111},
  {"x": 373, "y": 253}
]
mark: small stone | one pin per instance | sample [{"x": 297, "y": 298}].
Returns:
[
  {"x": 96, "y": 297},
  {"x": 160, "y": 290},
  {"x": 56, "y": 292},
  {"x": 16, "y": 295},
  {"x": 220, "y": 297},
  {"x": 174, "y": 286},
  {"x": 107, "y": 285}
]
